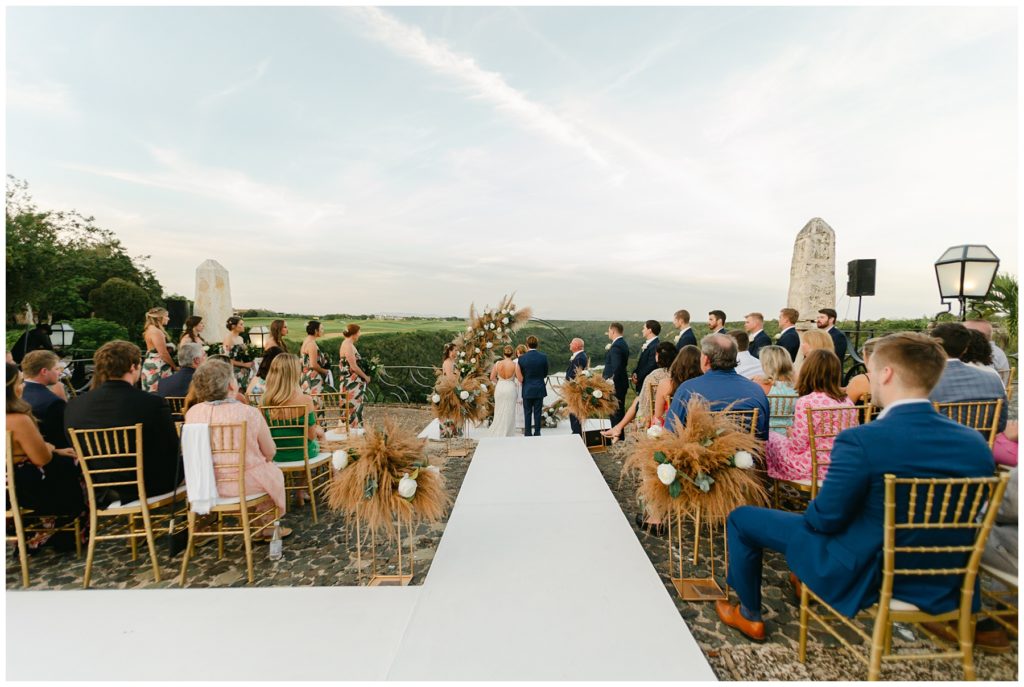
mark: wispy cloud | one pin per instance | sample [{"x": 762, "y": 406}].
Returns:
[
  {"x": 45, "y": 97},
  {"x": 254, "y": 76},
  {"x": 412, "y": 43}
]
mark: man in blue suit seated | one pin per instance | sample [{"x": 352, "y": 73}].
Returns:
[
  {"x": 827, "y": 321},
  {"x": 836, "y": 545},
  {"x": 961, "y": 382},
  {"x": 534, "y": 366},
  {"x": 190, "y": 356},
  {"x": 42, "y": 370},
  {"x": 577, "y": 361},
  {"x": 720, "y": 385},
  {"x": 616, "y": 358}
]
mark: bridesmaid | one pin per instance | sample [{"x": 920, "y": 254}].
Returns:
[
  {"x": 352, "y": 379},
  {"x": 233, "y": 346},
  {"x": 449, "y": 429},
  {"x": 158, "y": 362},
  {"x": 315, "y": 365},
  {"x": 278, "y": 330},
  {"x": 194, "y": 327}
]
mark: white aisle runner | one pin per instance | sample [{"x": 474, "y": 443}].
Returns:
[{"x": 540, "y": 577}]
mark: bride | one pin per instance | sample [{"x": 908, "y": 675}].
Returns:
[{"x": 505, "y": 373}]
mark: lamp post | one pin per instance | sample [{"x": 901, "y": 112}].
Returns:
[
  {"x": 62, "y": 335},
  {"x": 966, "y": 272},
  {"x": 258, "y": 335}
]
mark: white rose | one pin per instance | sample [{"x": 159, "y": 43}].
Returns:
[
  {"x": 492, "y": 325},
  {"x": 340, "y": 459},
  {"x": 436, "y": 398},
  {"x": 743, "y": 459},
  {"x": 490, "y": 345},
  {"x": 433, "y": 468},
  {"x": 473, "y": 360},
  {"x": 469, "y": 328},
  {"x": 464, "y": 395},
  {"x": 608, "y": 347},
  {"x": 477, "y": 349},
  {"x": 504, "y": 320},
  {"x": 598, "y": 393},
  {"x": 666, "y": 473},
  {"x": 462, "y": 354},
  {"x": 406, "y": 486},
  {"x": 484, "y": 387},
  {"x": 655, "y": 431}
]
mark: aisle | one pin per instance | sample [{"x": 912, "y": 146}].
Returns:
[{"x": 539, "y": 577}]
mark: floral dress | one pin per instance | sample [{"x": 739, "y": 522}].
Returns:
[
  {"x": 311, "y": 381},
  {"x": 353, "y": 386},
  {"x": 789, "y": 457},
  {"x": 154, "y": 368},
  {"x": 238, "y": 352}
]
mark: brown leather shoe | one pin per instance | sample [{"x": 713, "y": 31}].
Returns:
[
  {"x": 797, "y": 588},
  {"x": 731, "y": 616},
  {"x": 994, "y": 641}
]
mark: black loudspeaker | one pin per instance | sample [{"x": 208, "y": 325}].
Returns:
[
  {"x": 177, "y": 312},
  {"x": 860, "y": 278}
]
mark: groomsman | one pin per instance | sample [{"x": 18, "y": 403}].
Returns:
[
  {"x": 646, "y": 363},
  {"x": 789, "y": 338},
  {"x": 578, "y": 360},
  {"x": 716, "y": 322},
  {"x": 686, "y": 336},
  {"x": 615, "y": 361},
  {"x": 754, "y": 326},
  {"x": 827, "y": 321}
]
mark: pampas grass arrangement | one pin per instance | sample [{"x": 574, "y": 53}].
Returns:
[
  {"x": 368, "y": 487},
  {"x": 486, "y": 333},
  {"x": 588, "y": 395},
  {"x": 703, "y": 454},
  {"x": 461, "y": 399}
]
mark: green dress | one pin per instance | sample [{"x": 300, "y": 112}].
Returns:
[{"x": 289, "y": 446}]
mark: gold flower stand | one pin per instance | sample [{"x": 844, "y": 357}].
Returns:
[
  {"x": 402, "y": 577},
  {"x": 696, "y": 588}
]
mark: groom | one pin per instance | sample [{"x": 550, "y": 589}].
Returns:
[
  {"x": 577, "y": 360},
  {"x": 534, "y": 366}
]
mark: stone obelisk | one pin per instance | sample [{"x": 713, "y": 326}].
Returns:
[
  {"x": 213, "y": 300},
  {"x": 812, "y": 275}
]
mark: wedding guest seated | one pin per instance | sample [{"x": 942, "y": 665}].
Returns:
[
  {"x": 283, "y": 390},
  {"x": 190, "y": 357},
  {"x": 1005, "y": 448},
  {"x": 225, "y": 359},
  {"x": 859, "y": 388},
  {"x": 47, "y": 479},
  {"x": 835, "y": 546},
  {"x": 212, "y": 402},
  {"x": 259, "y": 381},
  {"x": 115, "y": 401},
  {"x": 640, "y": 410},
  {"x": 978, "y": 353},
  {"x": 41, "y": 369},
  {"x": 999, "y": 360},
  {"x": 720, "y": 385},
  {"x": 961, "y": 382},
  {"x": 789, "y": 456},
  {"x": 812, "y": 340},
  {"x": 778, "y": 379},
  {"x": 746, "y": 365}
]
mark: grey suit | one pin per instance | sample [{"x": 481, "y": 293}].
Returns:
[
  {"x": 1001, "y": 547},
  {"x": 961, "y": 382}
]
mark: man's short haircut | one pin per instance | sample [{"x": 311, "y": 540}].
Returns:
[
  {"x": 114, "y": 360},
  {"x": 756, "y": 315},
  {"x": 532, "y": 341},
  {"x": 720, "y": 350},
  {"x": 683, "y": 315},
  {"x": 718, "y": 315},
  {"x": 654, "y": 326},
  {"x": 954, "y": 338},
  {"x": 741, "y": 339},
  {"x": 189, "y": 353},
  {"x": 790, "y": 314},
  {"x": 829, "y": 312},
  {"x": 981, "y": 325},
  {"x": 35, "y": 362},
  {"x": 617, "y": 326},
  {"x": 918, "y": 359}
]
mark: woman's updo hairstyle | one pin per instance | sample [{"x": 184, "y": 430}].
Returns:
[
  {"x": 351, "y": 330},
  {"x": 232, "y": 322},
  {"x": 312, "y": 327}
]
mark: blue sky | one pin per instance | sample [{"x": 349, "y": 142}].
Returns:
[{"x": 601, "y": 162}]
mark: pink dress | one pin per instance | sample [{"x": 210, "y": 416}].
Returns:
[
  {"x": 261, "y": 473},
  {"x": 789, "y": 457}
]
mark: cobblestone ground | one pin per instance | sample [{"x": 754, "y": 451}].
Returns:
[{"x": 323, "y": 555}]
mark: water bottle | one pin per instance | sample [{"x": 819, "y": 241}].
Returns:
[{"x": 276, "y": 543}]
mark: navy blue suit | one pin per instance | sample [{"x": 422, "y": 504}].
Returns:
[
  {"x": 836, "y": 545},
  {"x": 720, "y": 388},
  {"x": 48, "y": 408},
  {"x": 790, "y": 340},
  {"x": 534, "y": 366},
  {"x": 178, "y": 383},
  {"x": 646, "y": 363},
  {"x": 616, "y": 359},
  {"x": 687, "y": 338},
  {"x": 759, "y": 342},
  {"x": 579, "y": 361},
  {"x": 839, "y": 341}
]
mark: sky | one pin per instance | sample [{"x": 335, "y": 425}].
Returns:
[{"x": 601, "y": 162}]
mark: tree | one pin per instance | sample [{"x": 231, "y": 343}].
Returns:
[
  {"x": 1002, "y": 301},
  {"x": 121, "y": 301}
]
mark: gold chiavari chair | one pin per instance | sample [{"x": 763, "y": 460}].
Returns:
[
  {"x": 333, "y": 411},
  {"x": 1004, "y": 601},
  {"x": 289, "y": 425},
  {"x": 1009, "y": 384},
  {"x": 958, "y": 502},
  {"x": 823, "y": 425},
  {"x": 981, "y": 415},
  {"x": 781, "y": 407},
  {"x": 746, "y": 419},
  {"x": 255, "y": 399},
  {"x": 13, "y": 512},
  {"x": 227, "y": 446},
  {"x": 177, "y": 404},
  {"x": 114, "y": 455}
]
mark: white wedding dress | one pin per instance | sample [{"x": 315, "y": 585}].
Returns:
[{"x": 505, "y": 395}]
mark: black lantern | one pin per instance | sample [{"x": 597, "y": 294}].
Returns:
[{"x": 966, "y": 272}]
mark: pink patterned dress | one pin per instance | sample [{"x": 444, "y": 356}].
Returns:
[{"x": 789, "y": 457}]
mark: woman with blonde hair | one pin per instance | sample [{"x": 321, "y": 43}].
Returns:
[
  {"x": 212, "y": 401},
  {"x": 505, "y": 374},
  {"x": 779, "y": 380},
  {"x": 282, "y": 389},
  {"x": 859, "y": 388},
  {"x": 812, "y": 340},
  {"x": 352, "y": 379},
  {"x": 157, "y": 362}
]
